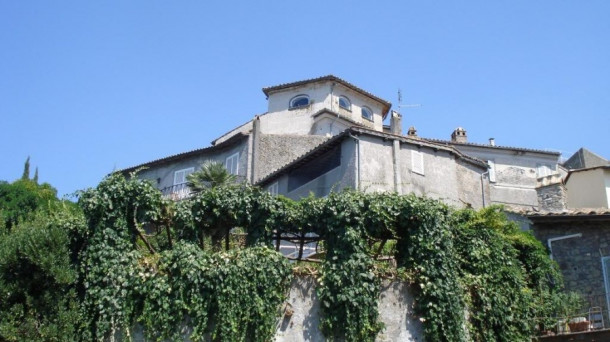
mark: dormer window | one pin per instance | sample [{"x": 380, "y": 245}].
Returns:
[
  {"x": 299, "y": 101},
  {"x": 345, "y": 103},
  {"x": 367, "y": 113}
]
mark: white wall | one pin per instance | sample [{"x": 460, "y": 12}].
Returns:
[{"x": 282, "y": 120}]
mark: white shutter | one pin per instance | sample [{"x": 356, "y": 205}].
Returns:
[
  {"x": 492, "y": 170},
  {"x": 417, "y": 162}
]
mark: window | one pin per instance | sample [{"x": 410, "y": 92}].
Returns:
[
  {"x": 367, "y": 113},
  {"x": 491, "y": 170},
  {"x": 299, "y": 101},
  {"x": 273, "y": 189},
  {"x": 232, "y": 163},
  {"x": 544, "y": 170},
  {"x": 180, "y": 175},
  {"x": 417, "y": 162},
  {"x": 345, "y": 103}
]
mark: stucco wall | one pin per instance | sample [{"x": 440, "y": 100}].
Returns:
[
  {"x": 163, "y": 175},
  {"x": 395, "y": 307},
  {"x": 282, "y": 120},
  {"x": 587, "y": 189},
  {"x": 276, "y": 151},
  {"x": 515, "y": 173},
  {"x": 579, "y": 259},
  {"x": 470, "y": 188}
]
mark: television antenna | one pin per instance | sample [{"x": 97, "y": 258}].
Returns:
[{"x": 400, "y": 105}]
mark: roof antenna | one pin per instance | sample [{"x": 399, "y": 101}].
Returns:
[{"x": 400, "y": 105}]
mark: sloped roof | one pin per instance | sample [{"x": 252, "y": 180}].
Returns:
[
  {"x": 354, "y": 130},
  {"x": 225, "y": 144},
  {"x": 386, "y": 104},
  {"x": 496, "y": 147},
  {"x": 584, "y": 158},
  {"x": 569, "y": 215}
]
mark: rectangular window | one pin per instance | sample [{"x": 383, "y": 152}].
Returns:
[
  {"x": 417, "y": 162},
  {"x": 180, "y": 175},
  {"x": 232, "y": 163},
  {"x": 492, "y": 170},
  {"x": 273, "y": 189}
]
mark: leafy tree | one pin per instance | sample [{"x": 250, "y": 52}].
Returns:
[
  {"x": 18, "y": 200},
  {"x": 211, "y": 175},
  {"x": 38, "y": 278}
]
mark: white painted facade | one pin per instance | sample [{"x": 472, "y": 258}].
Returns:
[{"x": 323, "y": 96}]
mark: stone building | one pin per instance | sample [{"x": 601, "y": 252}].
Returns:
[
  {"x": 579, "y": 240},
  {"x": 325, "y": 134}
]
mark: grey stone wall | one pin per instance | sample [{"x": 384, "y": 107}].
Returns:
[
  {"x": 275, "y": 150},
  {"x": 552, "y": 197},
  {"x": 580, "y": 258}
]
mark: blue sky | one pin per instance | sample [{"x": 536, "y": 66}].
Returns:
[{"x": 90, "y": 87}]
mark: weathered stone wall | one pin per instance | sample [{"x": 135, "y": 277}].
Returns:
[
  {"x": 277, "y": 150},
  {"x": 552, "y": 197},
  {"x": 579, "y": 258}
]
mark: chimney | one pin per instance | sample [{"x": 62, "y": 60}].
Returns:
[
  {"x": 412, "y": 132},
  {"x": 396, "y": 123},
  {"x": 459, "y": 135},
  {"x": 492, "y": 142}
]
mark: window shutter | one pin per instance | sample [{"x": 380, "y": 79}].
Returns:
[
  {"x": 417, "y": 162},
  {"x": 492, "y": 170}
]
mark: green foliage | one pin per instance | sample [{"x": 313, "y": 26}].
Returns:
[
  {"x": 26, "y": 170},
  {"x": 22, "y": 198},
  {"x": 134, "y": 257},
  {"x": 425, "y": 246},
  {"x": 348, "y": 289},
  {"x": 212, "y": 174},
  {"x": 38, "y": 297}
]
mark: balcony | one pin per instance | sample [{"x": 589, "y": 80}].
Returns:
[{"x": 176, "y": 192}]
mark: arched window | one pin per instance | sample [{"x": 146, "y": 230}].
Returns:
[
  {"x": 299, "y": 101},
  {"x": 367, "y": 113},
  {"x": 345, "y": 103}
]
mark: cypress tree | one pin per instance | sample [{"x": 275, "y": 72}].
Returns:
[{"x": 26, "y": 170}]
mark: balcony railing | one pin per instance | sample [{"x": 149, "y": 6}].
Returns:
[{"x": 176, "y": 192}]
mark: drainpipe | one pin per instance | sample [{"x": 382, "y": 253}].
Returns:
[
  {"x": 357, "y": 162},
  {"x": 551, "y": 240},
  {"x": 396, "y": 160},
  {"x": 483, "y": 187}
]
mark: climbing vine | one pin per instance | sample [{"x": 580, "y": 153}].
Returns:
[{"x": 169, "y": 266}]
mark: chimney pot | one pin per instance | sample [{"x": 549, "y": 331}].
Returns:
[
  {"x": 412, "y": 132},
  {"x": 459, "y": 135}
]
